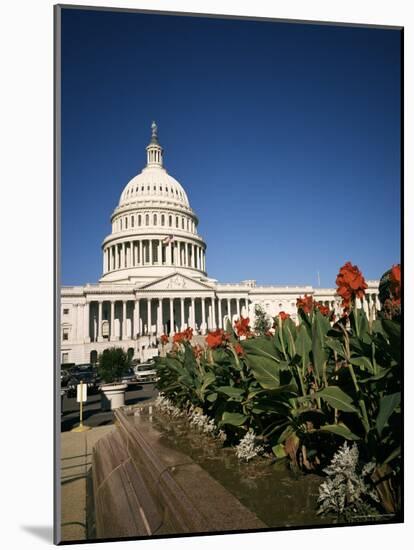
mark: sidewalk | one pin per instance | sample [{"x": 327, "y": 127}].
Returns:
[{"x": 76, "y": 456}]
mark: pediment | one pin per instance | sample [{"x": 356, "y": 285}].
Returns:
[{"x": 176, "y": 281}]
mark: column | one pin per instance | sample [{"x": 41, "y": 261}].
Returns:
[
  {"x": 213, "y": 306},
  {"x": 131, "y": 254},
  {"x": 140, "y": 252},
  {"x": 246, "y": 303},
  {"x": 203, "y": 316},
  {"x": 136, "y": 318},
  {"x": 124, "y": 331},
  {"x": 192, "y": 314},
  {"x": 86, "y": 333},
  {"x": 104, "y": 262},
  {"x": 160, "y": 252},
  {"x": 112, "y": 322},
  {"x": 149, "y": 320},
  {"x": 220, "y": 320},
  {"x": 99, "y": 321},
  {"x": 160, "y": 329},
  {"x": 113, "y": 257},
  {"x": 182, "y": 313},
  {"x": 238, "y": 307},
  {"x": 172, "y": 326},
  {"x": 192, "y": 255},
  {"x": 178, "y": 254},
  {"x": 229, "y": 309},
  {"x": 150, "y": 251}
]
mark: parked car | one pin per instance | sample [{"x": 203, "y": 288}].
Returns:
[
  {"x": 129, "y": 377},
  {"x": 64, "y": 378},
  {"x": 145, "y": 372},
  {"x": 82, "y": 373}
]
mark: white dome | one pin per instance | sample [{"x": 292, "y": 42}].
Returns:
[{"x": 153, "y": 184}]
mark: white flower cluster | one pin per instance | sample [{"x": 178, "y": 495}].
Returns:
[
  {"x": 345, "y": 488},
  {"x": 167, "y": 407},
  {"x": 247, "y": 448},
  {"x": 194, "y": 415},
  {"x": 200, "y": 421}
]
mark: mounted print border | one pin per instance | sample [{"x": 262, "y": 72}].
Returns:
[{"x": 187, "y": 404}]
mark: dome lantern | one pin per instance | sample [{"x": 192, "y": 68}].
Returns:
[{"x": 154, "y": 149}]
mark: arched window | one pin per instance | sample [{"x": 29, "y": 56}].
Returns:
[
  {"x": 155, "y": 219},
  {"x": 176, "y": 221},
  {"x": 126, "y": 223},
  {"x": 170, "y": 221},
  {"x": 139, "y": 220},
  {"x": 93, "y": 357},
  {"x": 146, "y": 219},
  {"x": 162, "y": 219},
  {"x": 132, "y": 221},
  {"x": 182, "y": 223},
  {"x": 120, "y": 224}
]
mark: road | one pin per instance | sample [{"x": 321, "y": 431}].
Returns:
[{"x": 93, "y": 415}]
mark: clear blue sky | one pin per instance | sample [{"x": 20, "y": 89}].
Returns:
[{"x": 286, "y": 138}]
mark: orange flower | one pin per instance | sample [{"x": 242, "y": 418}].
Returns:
[
  {"x": 395, "y": 283},
  {"x": 239, "y": 350},
  {"x": 242, "y": 326},
  {"x": 284, "y": 315},
  {"x": 185, "y": 336},
  {"x": 305, "y": 303},
  {"x": 351, "y": 284},
  {"x": 323, "y": 309},
  {"x": 217, "y": 338},
  {"x": 164, "y": 339},
  {"x": 197, "y": 351}
]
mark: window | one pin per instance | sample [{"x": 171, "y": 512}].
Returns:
[
  {"x": 176, "y": 221},
  {"x": 132, "y": 221},
  {"x": 65, "y": 334},
  {"x": 65, "y": 311},
  {"x": 65, "y": 357},
  {"x": 182, "y": 223},
  {"x": 155, "y": 219},
  {"x": 139, "y": 220},
  {"x": 126, "y": 223},
  {"x": 146, "y": 219},
  {"x": 162, "y": 219},
  {"x": 170, "y": 221},
  {"x": 120, "y": 224}
]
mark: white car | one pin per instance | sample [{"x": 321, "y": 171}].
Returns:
[{"x": 145, "y": 372}]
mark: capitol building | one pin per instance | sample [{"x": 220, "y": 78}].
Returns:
[{"x": 155, "y": 281}]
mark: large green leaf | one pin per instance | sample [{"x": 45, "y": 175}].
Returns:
[
  {"x": 265, "y": 371},
  {"x": 279, "y": 450},
  {"x": 363, "y": 362},
  {"x": 335, "y": 345},
  {"x": 393, "y": 330},
  {"x": 303, "y": 343},
  {"x": 207, "y": 380},
  {"x": 233, "y": 418},
  {"x": 388, "y": 404},
  {"x": 337, "y": 399},
  {"x": 231, "y": 391},
  {"x": 318, "y": 352},
  {"x": 340, "y": 429}
]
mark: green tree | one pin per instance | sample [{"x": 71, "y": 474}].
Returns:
[
  {"x": 262, "y": 321},
  {"x": 113, "y": 363}
]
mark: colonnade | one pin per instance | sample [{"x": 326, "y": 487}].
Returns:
[
  {"x": 149, "y": 252},
  {"x": 113, "y": 320}
]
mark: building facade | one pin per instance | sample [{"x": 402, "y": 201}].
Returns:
[{"x": 155, "y": 280}]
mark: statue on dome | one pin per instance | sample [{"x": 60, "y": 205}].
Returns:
[{"x": 154, "y": 129}]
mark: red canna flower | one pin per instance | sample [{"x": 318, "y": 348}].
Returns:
[
  {"x": 239, "y": 350},
  {"x": 284, "y": 315},
  {"x": 242, "y": 326},
  {"x": 395, "y": 283},
  {"x": 197, "y": 351},
  {"x": 185, "y": 336},
  {"x": 164, "y": 339},
  {"x": 323, "y": 309},
  {"x": 305, "y": 303},
  {"x": 351, "y": 284},
  {"x": 217, "y": 338}
]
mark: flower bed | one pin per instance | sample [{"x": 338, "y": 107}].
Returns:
[{"x": 303, "y": 390}]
